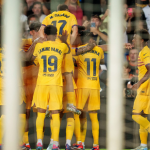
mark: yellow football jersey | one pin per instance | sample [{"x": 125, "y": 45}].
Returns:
[
  {"x": 1, "y": 67},
  {"x": 50, "y": 55},
  {"x": 88, "y": 68},
  {"x": 63, "y": 20},
  {"x": 143, "y": 60}
]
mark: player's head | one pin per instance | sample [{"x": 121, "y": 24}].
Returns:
[
  {"x": 97, "y": 20},
  {"x": 133, "y": 55},
  {"x": 50, "y": 32},
  {"x": 37, "y": 8},
  {"x": 86, "y": 37},
  {"x": 32, "y": 18},
  {"x": 62, "y": 7},
  {"x": 140, "y": 38},
  {"x": 34, "y": 28}
]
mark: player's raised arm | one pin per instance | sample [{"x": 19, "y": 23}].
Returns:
[
  {"x": 86, "y": 48},
  {"x": 74, "y": 34}
]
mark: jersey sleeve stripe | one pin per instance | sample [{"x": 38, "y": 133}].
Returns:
[
  {"x": 43, "y": 25},
  {"x": 74, "y": 25}
]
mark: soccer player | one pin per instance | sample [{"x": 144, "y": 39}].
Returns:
[
  {"x": 88, "y": 95},
  {"x": 141, "y": 107},
  {"x": 48, "y": 90},
  {"x": 30, "y": 76},
  {"x": 63, "y": 20}
]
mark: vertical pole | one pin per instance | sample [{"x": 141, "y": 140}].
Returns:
[
  {"x": 115, "y": 66},
  {"x": 11, "y": 44}
]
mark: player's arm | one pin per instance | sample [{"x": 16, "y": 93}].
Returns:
[
  {"x": 28, "y": 56},
  {"x": 74, "y": 34},
  {"x": 41, "y": 31},
  {"x": 145, "y": 78},
  {"x": 86, "y": 48}
]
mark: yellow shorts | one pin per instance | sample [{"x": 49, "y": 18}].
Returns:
[
  {"x": 88, "y": 99},
  {"x": 65, "y": 102},
  {"x": 48, "y": 95},
  {"x": 22, "y": 96},
  {"x": 141, "y": 103}
]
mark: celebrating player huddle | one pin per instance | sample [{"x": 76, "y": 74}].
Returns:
[{"x": 54, "y": 87}]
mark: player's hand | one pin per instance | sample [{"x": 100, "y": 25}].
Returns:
[
  {"x": 135, "y": 86},
  {"x": 92, "y": 42},
  {"x": 128, "y": 45},
  {"x": 64, "y": 36},
  {"x": 40, "y": 40}
]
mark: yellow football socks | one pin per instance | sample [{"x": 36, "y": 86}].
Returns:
[
  {"x": 141, "y": 121},
  {"x": 69, "y": 128},
  {"x": 143, "y": 135},
  {"x": 83, "y": 128},
  {"x": 26, "y": 137},
  {"x": 95, "y": 127},
  {"x": 70, "y": 97},
  {"x": 22, "y": 126},
  {"x": 40, "y": 125},
  {"x": 77, "y": 130},
  {"x": 56, "y": 126}
]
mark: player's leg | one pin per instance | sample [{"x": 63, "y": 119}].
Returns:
[
  {"x": 22, "y": 124},
  {"x": 83, "y": 121},
  {"x": 69, "y": 129},
  {"x": 95, "y": 129},
  {"x": 82, "y": 97},
  {"x": 25, "y": 136},
  {"x": 140, "y": 105},
  {"x": 39, "y": 127},
  {"x": 55, "y": 106},
  {"x": 93, "y": 106}
]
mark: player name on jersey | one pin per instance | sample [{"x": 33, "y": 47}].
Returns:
[
  {"x": 60, "y": 15},
  {"x": 92, "y": 51},
  {"x": 50, "y": 49}
]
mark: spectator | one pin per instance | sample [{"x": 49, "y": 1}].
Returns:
[
  {"x": 146, "y": 11},
  {"x": 136, "y": 21},
  {"x": 32, "y": 18},
  {"x": 45, "y": 6},
  {"x": 131, "y": 72},
  {"x": 131, "y": 69},
  {"x": 37, "y": 10},
  {"x": 100, "y": 37},
  {"x": 141, "y": 3},
  {"x": 75, "y": 9}
]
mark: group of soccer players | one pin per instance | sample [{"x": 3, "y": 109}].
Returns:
[{"x": 61, "y": 78}]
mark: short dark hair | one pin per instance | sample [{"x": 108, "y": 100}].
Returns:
[
  {"x": 96, "y": 16},
  {"x": 62, "y": 7},
  {"x": 35, "y": 26},
  {"x": 32, "y": 16},
  {"x": 50, "y": 30},
  {"x": 86, "y": 36},
  {"x": 143, "y": 34},
  {"x": 35, "y": 3}
]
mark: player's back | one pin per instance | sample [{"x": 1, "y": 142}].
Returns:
[
  {"x": 88, "y": 68},
  {"x": 50, "y": 55},
  {"x": 62, "y": 20}
]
